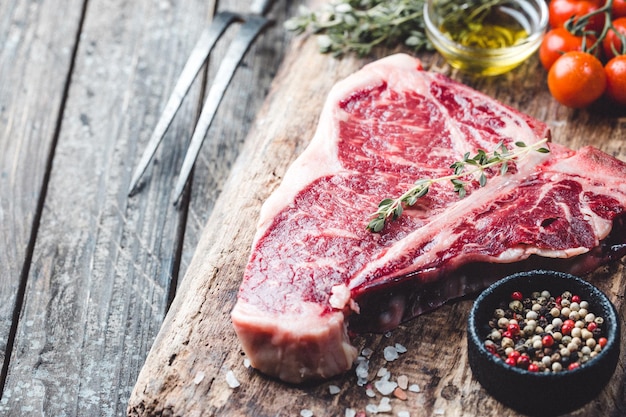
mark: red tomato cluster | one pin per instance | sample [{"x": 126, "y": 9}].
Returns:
[{"x": 585, "y": 51}]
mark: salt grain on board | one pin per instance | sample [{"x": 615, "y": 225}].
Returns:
[
  {"x": 306, "y": 413},
  {"x": 333, "y": 389},
  {"x": 362, "y": 371},
  {"x": 199, "y": 377},
  {"x": 231, "y": 379},
  {"x": 385, "y": 386},
  {"x": 246, "y": 362},
  {"x": 414, "y": 388},
  {"x": 390, "y": 353},
  {"x": 350, "y": 412},
  {"x": 367, "y": 352},
  {"x": 404, "y": 414},
  {"x": 400, "y": 348},
  {"x": 384, "y": 406},
  {"x": 371, "y": 408},
  {"x": 403, "y": 381}
]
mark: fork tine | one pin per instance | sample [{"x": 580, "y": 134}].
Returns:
[
  {"x": 251, "y": 28},
  {"x": 198, "y": 57}
]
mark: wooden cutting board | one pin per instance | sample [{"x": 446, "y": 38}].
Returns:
[{"x": 185, "y": 373}]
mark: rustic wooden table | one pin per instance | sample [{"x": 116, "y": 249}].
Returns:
[{"x": 87, "y": 274}]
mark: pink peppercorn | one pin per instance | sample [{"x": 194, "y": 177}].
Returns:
[
  {"x": 523, "y": 362},
  {"x": 602, "y": 341},
  {"x": 533, "y": 367},
  {"x": 592, "y": 326},
  {"x": 516, "y": 295},
  {"x": 575, "y": 299},
  {"x": 514, "y": 329},
  {"x": 573, "y": 366},
  {"x": 514, "y": 354},
  {"x": 511, "y": 361},
  {"x": 547, "y": 340},
  {"x": 566, "y": 329}
]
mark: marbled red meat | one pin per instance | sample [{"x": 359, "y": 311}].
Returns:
[{"x": 316, "y": 272}]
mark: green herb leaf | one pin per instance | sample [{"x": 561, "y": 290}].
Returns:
[
  {"x": 393, "y": 208},
  {"x": 358, "y": 26}
]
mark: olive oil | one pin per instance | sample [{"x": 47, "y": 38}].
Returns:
[
  {"x": 486, "y": 37},
  {"x": 489, "y": 28}
]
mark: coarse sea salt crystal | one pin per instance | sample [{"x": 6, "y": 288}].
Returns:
[
  {"x": 390, "y": 353},
  {"x": 362, "y": 370},
  {"x": 403, "y": 382},
  {"x": 350, "y": 412},
  {"x": 400, "y": 348},
  {"x": 382, "y": 372},
  {"x": 199, "y": 377},
  {"x": 370, "y": 393},
  {"x": 439, "y": 411},
  {"x": 371, "y": 408},
  {"x": 384, "y": 386},
  {"x": 306, "y": 413},
  {"x": 414, "y": 388},
  {"x": 333, "y": 389},
  {"x": 404, "y": 414},
  {"x": 384, "y": 406},
  {"x": 246, "y": 362},
  {"x": 231, "y": 379},
  {"x": 367, "y": 352}
]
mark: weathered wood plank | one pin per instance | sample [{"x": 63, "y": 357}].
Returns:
[
  {"x": 102, "y": 266},
  {"x": 38, "y": 40},
  {"x": 185, "y": 373}
]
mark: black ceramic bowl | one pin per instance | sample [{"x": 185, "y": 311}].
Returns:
[{"x": 541, "y": 393}]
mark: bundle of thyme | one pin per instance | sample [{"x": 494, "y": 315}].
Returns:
[
  {"x": 360, "y": 25},
  {"x": 468, "y": 167}
]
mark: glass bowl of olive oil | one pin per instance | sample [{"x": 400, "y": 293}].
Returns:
[{"x": 486, "y": 37}]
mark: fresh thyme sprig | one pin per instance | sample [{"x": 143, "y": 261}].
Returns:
[
  {"x": 391, "y": 209},
  {"x": 360, "y": 25}
]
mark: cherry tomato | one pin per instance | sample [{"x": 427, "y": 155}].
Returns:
[
  {"x": 577, "y": 79},
  {"x": 562, "y": 10},
  {"x": 615, "y": 71},
  {"x": 618, "y": 9},
  {"x": 558, "y": 41},
  {"x": 613, "y": 38}
]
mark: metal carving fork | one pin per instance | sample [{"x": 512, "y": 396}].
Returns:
[{"x": 253, "y": 24}]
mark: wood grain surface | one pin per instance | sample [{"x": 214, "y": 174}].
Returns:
[
  {"x": 86, "y": 272},
  {"x": 185, "y": 372}
]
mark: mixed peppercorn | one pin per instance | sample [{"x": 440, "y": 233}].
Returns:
[{"x": 543, "y": 333}]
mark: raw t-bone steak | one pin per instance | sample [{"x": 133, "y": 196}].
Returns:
[{"x": 316, "y": 274}]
